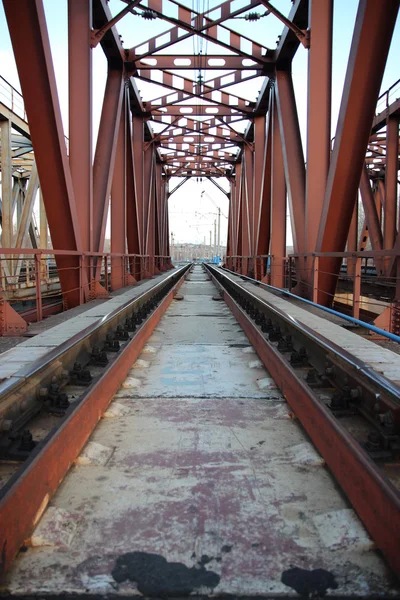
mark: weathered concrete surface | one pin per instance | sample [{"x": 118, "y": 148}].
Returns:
[{"x": 208, "y": 485}]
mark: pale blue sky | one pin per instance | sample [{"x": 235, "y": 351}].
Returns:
[{"x": 185, "y": 220}]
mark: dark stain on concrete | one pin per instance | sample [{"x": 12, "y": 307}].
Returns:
[
  {"x": 309, "y": 583},
  {"x": 226, "y": 548},
  {"x": 155, "y": 576}
]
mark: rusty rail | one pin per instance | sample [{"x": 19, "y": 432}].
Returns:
[
  {"x": 25, "y": 496},
  {"x": 292, "y": 352}
]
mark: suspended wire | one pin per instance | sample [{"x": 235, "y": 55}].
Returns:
[{"x": 254, "y": 16}]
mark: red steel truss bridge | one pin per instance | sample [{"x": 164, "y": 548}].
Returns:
[{"x": 218, "y": 103}]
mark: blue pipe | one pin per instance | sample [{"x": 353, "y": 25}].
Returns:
[{"x": 390, "y": 336}]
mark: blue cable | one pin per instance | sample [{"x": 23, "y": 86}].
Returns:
[{"x": 390, "y": 336}]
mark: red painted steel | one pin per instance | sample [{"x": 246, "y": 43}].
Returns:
[
  {"x": 104, "y": 159},
  {"x": 132, "y": 226},
  {"x": 118, "y": 206},
  {"x": 264, "y": 223},
  {"x": 318, "y": 114},
  {"x": 278, "y": 204},
  {"x": 29, "y": 36},
  {"x": 200, "y": 114},
  {"x": 292, "y": 156},
  {"x": 370, "y": 210},
  {"x": 352, "y": 468},
  {"x": 369, "y": 49},
  {"x": 392, "y": 167},
  {"x": 25, "y": 502},
  {"x": 80, "y": 115}
]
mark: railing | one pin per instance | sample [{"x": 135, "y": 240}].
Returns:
[
  {"x": 388, "y": 97},
  {"x": 264, "y": 267},
  {"x": 35, "y": 271},
  {"x": 12, "y": 98},
  {"x": 368, "y": 281},
  {"x": 383, "y": 102}
]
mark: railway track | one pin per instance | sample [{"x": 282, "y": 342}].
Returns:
[
  {"x": 350, "y": 412},
  {"x": 49, "y": 409}
]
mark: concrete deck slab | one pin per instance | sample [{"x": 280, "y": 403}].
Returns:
[
  {"x": 200, "y": 370},
  {"x": 216, "y": 493},
  {"x": 189, "y": 306},
  {"x": 189, "y": 331}
]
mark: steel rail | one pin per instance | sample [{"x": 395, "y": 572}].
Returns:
[
  {"x": 24, "y": 498},
  {"x": 327, "y": 345},
  {"x": 372, "y": 495},
  {"x": 283, "y": 292}
]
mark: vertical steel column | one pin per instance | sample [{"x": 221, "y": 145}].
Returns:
[
  {"x": 293, "y": 155},
  {"x": 137, "y": 152},
  {"x": 249, "y": 187},
  {"x": 392, "y": 165},
  {"x": 245, "y": 209},
  {"x": 258, "y": 176},
  {"x": 229, "y": 232},
  {"x": 43, "y": 222},
  {"x": 118, "y": 207},
  {"x": 369, "y": 49},
  {"x": 264, "y": 227},
  {"x": 132, "y": 227},
  {"x": 318, "y": 114},
  {"x": 167, "y": 221},
  {"x": 80, "y": 114},
  {"x": 371, "y": 214},
  {"x": 105, "y": 155},
  {"x": 165, "y": 233},
  {"x": 381, "y": 192},
  {"x": 239, "y": 196},
  {"x": 278, "y": 205},
  {"x": 19, "y": 203},
  {"x": 158, "y": 214},
  {"x": 43, "y": 237},
  {"x": 6, "y": 184},
  {"x": 352, "y": 240},
  {"x": 27, "y": 208},
  {"x": 232, "y": 251},
  {"x": 148, "y": 206},
  {"x": 28, "y": 32},
  {"x": 357, "y": 288},
  {"x": 19, "y": 185}
]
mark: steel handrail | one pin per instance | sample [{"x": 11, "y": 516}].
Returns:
[
  {"x": 38, "y": 365},
  {"x": 360, "y": 366}
]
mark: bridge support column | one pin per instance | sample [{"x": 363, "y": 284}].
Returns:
[
  {"x": 369, "y": 49},
  {"x": 278, "y": 205},
  {"x": 80, "y": 118},
  {"x": 390, "y": 205},
  {"x": 318, "y": 122},
  {"x": 118, "y": 206},
  {"x": 29, "y": 37}
]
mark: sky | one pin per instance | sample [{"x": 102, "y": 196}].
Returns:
[{"x": 193, "y": 206}]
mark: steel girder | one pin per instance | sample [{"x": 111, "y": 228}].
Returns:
[
  {"x": 203, "y": 126},
  {"x": 28, "y": 32},
  {"x": 369, "y": 49}
]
